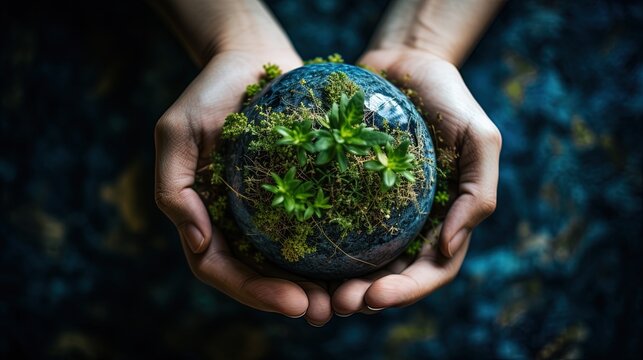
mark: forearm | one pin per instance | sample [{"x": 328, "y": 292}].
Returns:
[
  {"x": 448, "y": 29},
  {"x": 208, "y": 27}
]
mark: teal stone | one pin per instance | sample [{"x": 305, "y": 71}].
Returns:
[{"x": 373, "y": 250}]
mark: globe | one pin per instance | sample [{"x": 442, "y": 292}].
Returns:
[{"x": 365, "y": 236}]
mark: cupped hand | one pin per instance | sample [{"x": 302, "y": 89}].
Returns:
[
  {"x": 184, "y": 137},
  {"x": 464, "y": 125}
]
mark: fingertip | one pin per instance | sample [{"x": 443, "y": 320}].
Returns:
[
  {"x": 392, "y": 290},
  {"x": 283, "y": 297},
  {"x": 456, "y": 242}
]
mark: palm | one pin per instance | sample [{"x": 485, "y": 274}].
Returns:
[{"x": 465, "y": 126}]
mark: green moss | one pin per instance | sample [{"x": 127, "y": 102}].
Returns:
[
  {"x": 217, "y": 166},
  {"x": 252, "y": 90},
  {"x": 441, "y": 197},
  {"x": 339, "y": 83},
  {"x": 334, "y": 58},
  {"x": 235, "y": 125},
  {"x": 217, "y": 208},
  {"x": 415, "y": 246},
  {"x": 272, "y": 72}
]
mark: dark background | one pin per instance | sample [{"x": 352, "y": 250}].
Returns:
[{"x": 89, "y": 268}]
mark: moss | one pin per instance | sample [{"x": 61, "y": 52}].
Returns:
[
  {"x": 295, "y": 247},
  {"x": 333, "y": 58},
  {"x": 272, "y": 72},
  {"x": 252, "y": 90},
  {"x": 441, "y": 197},
  {"x": 235, "y": 125},
  {"x": 339, "y": 83},
  {"x": 415, "y": 246},
  {"x": 217, "y": 208},
  {"x": 217, "y": 166}
]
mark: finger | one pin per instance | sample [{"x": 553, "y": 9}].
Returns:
[
  {"x": 478, "y": 182},
  {"x": 319, "y": 310},
  {"x": 348, "y": 298},
  {"x": 218, "y": 268},
  {"x": 429, "y": 272},
  {"x": 176, "y": 160}
]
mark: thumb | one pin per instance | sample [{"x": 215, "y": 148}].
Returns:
[{"x": 176, "y": 161}]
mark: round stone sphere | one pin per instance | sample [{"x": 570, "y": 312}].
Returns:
[{"x": 358, "y": 253}]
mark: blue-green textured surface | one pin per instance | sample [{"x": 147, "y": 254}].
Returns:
[{"x": 374, "y": 250}]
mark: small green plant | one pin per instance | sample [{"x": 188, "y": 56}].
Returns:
[
  {"x": 301, "y": 136},
  {"x": 345, "y": 131},
  {"x": 235, "y": 124},
  {"x": 393, "y": 164},
  {"x": 296, "y": 196},
  {"x": 271, "y": 72},
  {"x": 333, "y": 58}
]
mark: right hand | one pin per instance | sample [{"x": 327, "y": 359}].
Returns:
[{"x": 185, "y": 137}]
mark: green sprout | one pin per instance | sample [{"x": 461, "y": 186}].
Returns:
[
  {"x": 296, "y": 196},
  {"x": 300, "y": 136},
  {"x": 393, "y": 164},
  {"x": 345, "y": 131}
]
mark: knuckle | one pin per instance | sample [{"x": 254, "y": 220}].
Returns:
[
  {"x": 488, "y": 205},
  {"x": 164, "y": 199},
  {"x": 492, "y": 135}
]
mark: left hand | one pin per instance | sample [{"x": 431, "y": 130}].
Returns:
[{"x": 477, "y": 140}]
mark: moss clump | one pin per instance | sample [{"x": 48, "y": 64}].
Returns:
[
  {"x": 334, "y": 58},
  {"x": 235, "y": 125},
  {"x": 217, "y": 166},
  {"x": 217, "y": 208},
  {"x": 271, "y": 72},
  {"x": 339, "y": 83}
]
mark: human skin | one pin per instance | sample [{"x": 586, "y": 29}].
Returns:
[
  {"x": 232, "y": 39},
  {"x": 422, "y": 43}
]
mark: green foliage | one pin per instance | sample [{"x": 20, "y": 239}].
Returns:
[
  {"x": 217, "y": 166},
  {"x": 441, "y": 197},
  {"x": 345, "y": 132},
  {"x": 393, "y": 165},
  {"x": 415, "y": 246},
  {"x": 271, "y": 72},
  {"x": 235, "y": 124},
  {"x": 297, "y": 196},
  {"x": 333, "y": 58},
  {"x": 217, "y": 208},
  {"x": 301, "y": 136},
  {"x": 339, "y": 83},
  {"x": 252, "y": 90}
]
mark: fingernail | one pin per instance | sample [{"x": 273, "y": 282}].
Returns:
[
  {"x": 296, "y": 317},
  {"x": 313, "y": 324},
  {"x": 343, "y": 315},
  {"x": 193, "y": 237},
  {"x": 456, "y": 242},
  {"x": 375, "y": 309}
]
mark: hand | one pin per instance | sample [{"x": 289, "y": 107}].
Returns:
[
  {"x": 478, "y": 141},
  {"x": 185, "y": 136}
]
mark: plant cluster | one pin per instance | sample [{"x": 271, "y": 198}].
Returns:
[
  {"x": 342, "y": 131},
  {"x": 271, "y": 72},
  {"x": 297, "y": 197}
]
